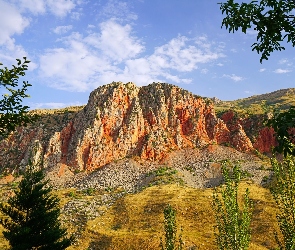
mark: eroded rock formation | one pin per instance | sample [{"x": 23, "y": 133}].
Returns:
[{"x": 123, "y": 120}]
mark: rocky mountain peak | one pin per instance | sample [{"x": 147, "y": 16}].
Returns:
[{"x": 123, "y": 120}]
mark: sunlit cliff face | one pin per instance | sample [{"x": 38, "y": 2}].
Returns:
[{"x": 123, "y": 120}]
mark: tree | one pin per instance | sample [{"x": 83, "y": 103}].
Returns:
[
  {"x": 232, "y": 230},
  {"x": 284, "y": 195},
  {"x": 274, "y": 22},
  {"x": 283, "y": 125},
  {"x": 170, "y": 228},
  {"x": 12, "y": 112},
  {"x": 272, "y": 19},
  {"x": 31, "y": 216}
]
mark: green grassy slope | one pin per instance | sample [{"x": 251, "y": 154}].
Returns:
[{"x": 259, "y": 104}]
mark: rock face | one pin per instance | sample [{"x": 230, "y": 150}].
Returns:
[
  {"x": 252, "y": 130},
  {"x": 123, "y": 120},
  {"x": 265, "y": 140}
]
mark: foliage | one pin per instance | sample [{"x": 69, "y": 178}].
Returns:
[
  {"x": 282, "y": 123},
  {"x": 284, "y": 195},
  {"x": 31, "y": 216},
  {"x": 232, "y": 231},
  {"x": 170, "y": 227},
  {"x": 12, "y": 112},
  {"x": 274, "y": 22},
  {"x": 272, "y": 19}
]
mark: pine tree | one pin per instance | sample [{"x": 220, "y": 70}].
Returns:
[{"x": 31, "y": 216}]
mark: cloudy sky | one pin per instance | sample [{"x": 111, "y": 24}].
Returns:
[{"x": 77, "y": 45}]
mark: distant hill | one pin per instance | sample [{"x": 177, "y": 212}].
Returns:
[{"x": 258, "y": 104}]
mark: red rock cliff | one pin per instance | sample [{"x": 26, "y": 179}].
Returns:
[{"x": 122, "y": 120}]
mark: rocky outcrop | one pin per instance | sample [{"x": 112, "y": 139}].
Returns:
[
  {"x": 238, "y": 138},
  {"x": 265, "y": 140},
  {"x": 123, "y": 120},
  {"x": 250, "y": 132}
]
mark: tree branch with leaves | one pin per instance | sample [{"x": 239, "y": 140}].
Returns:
[
  {"x": 12, "y": 112},
  {"x": 272, "y": 19}
]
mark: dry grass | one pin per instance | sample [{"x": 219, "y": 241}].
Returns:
[{"x": 135, "y": 221}]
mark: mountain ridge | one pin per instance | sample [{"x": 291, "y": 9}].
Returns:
[{"x": 123, "y": 120}]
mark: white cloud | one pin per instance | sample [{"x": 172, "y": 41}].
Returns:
[
  {"x": 115, "y": 41},
  {"x": 283, "y": 61},
  {"x": 234, "y": 77},
  {"x": 281, "y": 71},
  {"x": 170, "y": 61},
  {"x": 33, "y": 6},
  {"x": 118, "y": 10},
  {"x": 10, "y": 53},
  {"x": 262, "y": 70},
  {"x": 75, "y": 66},
  {"x": 286, "y": 62},
  {"x": 60, "y": 7},
  {"x": 11, "y": 22},
  {"x": 16, "y": 17},
  {"x": 180, "y": 55},
  {"x": 62, "y": 29},
  {"x": 76, "y": 15},
  {"x": 220, "y": 64},
  {"x": 114, "y": 54}
]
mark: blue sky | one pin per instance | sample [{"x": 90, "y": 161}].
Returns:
[{"x": 77, "y": 45}]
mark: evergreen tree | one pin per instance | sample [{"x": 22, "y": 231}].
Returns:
[{"x": 31, "y": 216}]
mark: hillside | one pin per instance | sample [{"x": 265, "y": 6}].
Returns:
[
  {"x": 116, "y": 162},
  {"x": 259, "y": 104},
  {"x": 127, "y": 213}
]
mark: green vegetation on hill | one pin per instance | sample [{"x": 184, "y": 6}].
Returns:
[{"x": 280, "y": 100}]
